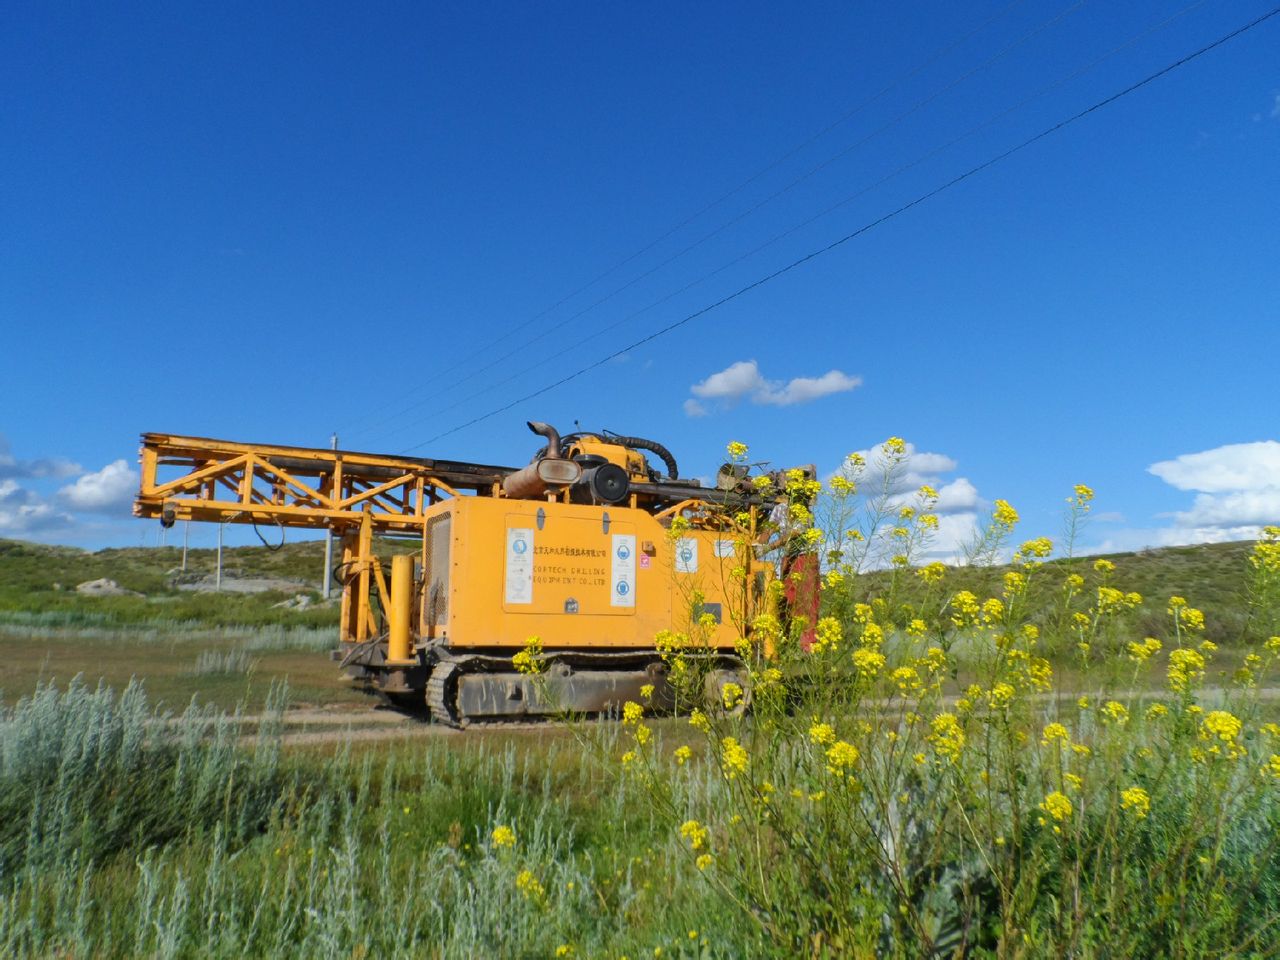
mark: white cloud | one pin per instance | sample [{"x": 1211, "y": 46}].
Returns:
[
  {"x": 48, "y": 467},
  {"x": 1236, "y": 466},
  {"x": 1237, "y": 488},
  {"x": 23, "y": 512},
  {"x": 109, "y": 490},
  {"x": 743, "y": 380},
  {"x": 958, "y": 504}
]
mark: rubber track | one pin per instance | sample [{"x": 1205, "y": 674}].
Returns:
[
  {"x": 438, "y": 695},
  {"x": 442, "y": 682}
]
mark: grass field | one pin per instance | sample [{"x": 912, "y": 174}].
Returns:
[{"x": 222, "y": 793}]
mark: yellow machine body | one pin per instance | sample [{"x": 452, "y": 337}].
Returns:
[
  {"x": 588, "y": 548},
  {"x": 577, "y": 576}
]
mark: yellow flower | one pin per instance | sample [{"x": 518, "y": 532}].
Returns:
[
  {"x": 528, "y": 885},
  {"x": 731, "y": 695},
  {"x": 736, "y": 450},
  {"x": 894, "y": 445},
  {"x": 1073, "y": 582},
  {"x": 1141, "y": 652},
  {"x": 1073, "y": 781},
  {"x": 1104, "y": 566},
  {"x": 1273, "y": 765},
  {"x": 964, "y": 606},
  {"x": 934, "y": 659},
  {"x": 827, "y": 635},
  {"x": 841, "y": 756},
  {"x": 762, "y": 482},
  {"x": 503, "y": 836},
  {"x": 643, "y": 734},
  {"x": 1040, "y": 548},
  {"x": 906, "y": 678},
  {"x": 683, "y": 754},
  {"x": 992, "y": 610},
  {"x": 1185, "y": 668},
  {"x": 1156, "y": 711},
  {"x": 1115, "y": 711},
  {"x": 565, "y": 950},
  {"x": 868, "y": 663},
  {"x": 1057, "y": 805},
  {"x": 529, "y": 660},
  {"x": 946, "y": 736},
  {"x": 647, "y": 691},
  {"x": 916, "y": 628},
  {"x": 932, "y": 572},
  {"x": 733, "y": 757},
  {"x": 1014, "y": 583},
  {"x": 1083, "y": 494},
  {"x": 632, "y": 712},
  {"x": 1001, "y": 696},
  {"x": 1054, "y": 732},
  {"x": 1083, "y": 703},
  {"x": 822, "y": 733},
  {"x": 698, "y": 720},
  {"x": 1004, "y": 514},
  {"x": 628, "y": 758},
  {"x": 1136, "y": 801},
  {"x": 704, "y": 861},
  {"x": 1222, "y": 730},
  {"x": 872, "y": 635},
  {"x": 695, "y": 833},
  {"x": 840, "y": 484}
]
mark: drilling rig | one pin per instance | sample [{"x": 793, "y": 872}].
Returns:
[{"x": 595, "y": 546}]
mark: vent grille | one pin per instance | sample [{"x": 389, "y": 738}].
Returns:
[{"x": 436, "y": 575}]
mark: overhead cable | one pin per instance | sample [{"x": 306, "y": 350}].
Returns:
[{"x": 871, "y": 225}]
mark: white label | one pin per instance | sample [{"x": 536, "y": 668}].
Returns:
[
  {"x": 623, "y": 581},
  {"x": 725, "y": 548},
  {"x": 686, "y": 555},
  {"x": 519, "y": 578}
]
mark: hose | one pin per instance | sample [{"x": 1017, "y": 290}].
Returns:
[
  {"x": 637, "y": 443},
  {"x": 653, "y": 446}
]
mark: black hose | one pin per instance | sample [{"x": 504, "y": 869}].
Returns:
[
  {"x": 653, "y": 446},
  {"x": 638, "y": 443}
]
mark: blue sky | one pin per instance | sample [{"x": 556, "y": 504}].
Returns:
[{"x": 274, "y": 223}]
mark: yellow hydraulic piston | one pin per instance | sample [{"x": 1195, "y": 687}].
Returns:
[{"x": 399, "y": 642}]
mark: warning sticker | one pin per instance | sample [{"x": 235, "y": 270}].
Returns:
[
  {"x": 686, "y": 555},
  {"x": 519, "y": 573},
  {"x": 724, "y": 548},
  {"x": 623, "y": 581},
  {"x": 644, "y": 561}
]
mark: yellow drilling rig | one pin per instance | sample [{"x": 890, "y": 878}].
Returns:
[{"x": 595, "y": 547}]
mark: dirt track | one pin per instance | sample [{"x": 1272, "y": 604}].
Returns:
[{"x": 316, "y": 726}]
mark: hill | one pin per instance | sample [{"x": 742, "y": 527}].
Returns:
[{"x": 38, "y": 581}]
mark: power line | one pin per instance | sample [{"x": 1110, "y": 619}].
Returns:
[
  {"x": 848, "y": 115},
  {"x": 461, "y": 401},
  {"x": 915, "y": 108},
  {"x": 768, "y": 278}
]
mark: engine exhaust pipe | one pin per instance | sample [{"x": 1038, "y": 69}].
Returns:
[
  {"x": 546, "y": 471},
  {"x": 552, "y": 435}
]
